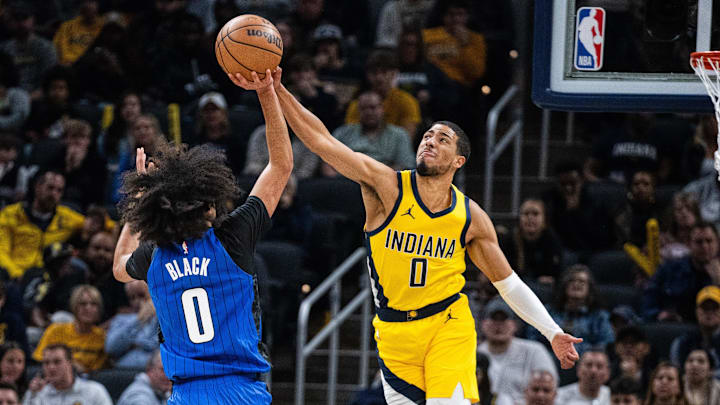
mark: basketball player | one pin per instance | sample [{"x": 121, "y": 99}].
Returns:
[
  {"x": 418, "y": 227},
  {"x": 198, "y": 261}
]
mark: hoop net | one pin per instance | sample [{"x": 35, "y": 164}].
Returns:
[{"x": 707, "y": 66}]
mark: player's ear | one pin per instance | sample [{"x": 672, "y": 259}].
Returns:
[{"x": 459, "y": 161}]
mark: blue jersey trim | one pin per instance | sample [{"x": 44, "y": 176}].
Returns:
[
  {"x": 394, "y": 210},
  {"x": 463, "y": 234},
  {"x": 381, "y": 298},
  {"x": 449, "y": 209},
  {"x": 411, "y": 392}
]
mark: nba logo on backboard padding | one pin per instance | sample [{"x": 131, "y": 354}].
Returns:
[{"x": 589, "y": 38}]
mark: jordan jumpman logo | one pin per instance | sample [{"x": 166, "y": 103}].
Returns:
[{"x": 409, "y": 212}]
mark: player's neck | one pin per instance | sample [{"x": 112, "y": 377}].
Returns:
[{"x": 435, "y": 191}]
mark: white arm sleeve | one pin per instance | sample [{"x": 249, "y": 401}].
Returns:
[{"x": 527, "y": 305}]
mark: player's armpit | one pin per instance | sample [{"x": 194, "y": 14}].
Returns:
[{"x": 483, "y": 247}]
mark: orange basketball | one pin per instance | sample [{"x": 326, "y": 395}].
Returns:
[{"x": 248, "y": 43}]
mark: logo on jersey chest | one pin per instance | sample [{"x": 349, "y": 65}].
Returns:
[{"x": 419, "y": 244}]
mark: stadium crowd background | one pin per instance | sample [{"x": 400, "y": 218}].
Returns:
[{"x": 622, "y": 246}]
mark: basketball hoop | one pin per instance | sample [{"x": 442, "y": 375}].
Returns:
[{"x": 707, "y": 66}]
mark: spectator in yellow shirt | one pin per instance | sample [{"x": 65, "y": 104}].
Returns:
[
  {"x": 26, "y": 228},
  {"x": 401, "y": 108},
  {"x": 82, "y": 336},
  {"x": 74, "y": 36}
]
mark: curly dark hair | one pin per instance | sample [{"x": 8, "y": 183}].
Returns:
[{"x": 170, "y": 203}]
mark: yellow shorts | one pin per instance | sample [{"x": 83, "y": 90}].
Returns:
[{"x": 427, "y": 358}]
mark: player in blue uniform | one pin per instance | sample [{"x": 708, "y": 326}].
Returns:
[{"x": 198, "y": 260}]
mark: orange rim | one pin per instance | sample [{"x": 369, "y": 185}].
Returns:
[{"x": 711, "y": 59}]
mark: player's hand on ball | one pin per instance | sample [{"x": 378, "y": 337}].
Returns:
[
  {"x": 256, "y": 84},
  {"x": 564, "y": 349},
  {"x": 277, "y": 75}
]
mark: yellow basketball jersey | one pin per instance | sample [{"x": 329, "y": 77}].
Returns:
[{"x": 417, "y": 257}]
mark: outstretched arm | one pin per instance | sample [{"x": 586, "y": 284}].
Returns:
[
  {"x": 484, "y": 251},
  {"x": 271, "y": 183}
]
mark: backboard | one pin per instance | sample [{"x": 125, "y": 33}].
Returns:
[{"x": 622, "y": 55}]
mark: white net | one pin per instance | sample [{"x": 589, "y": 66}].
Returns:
[{"x": 708, "y": 70}]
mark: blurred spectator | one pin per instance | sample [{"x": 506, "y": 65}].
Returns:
[
  {"x": 633, "y": 357},
  {"x": 287, "y": 33},
  {"x": 306, "y": 17},
  {"x": 9, "y": 148},
  {"x": 541, "y": 389},
  {"x": 292, "y": 220},
  {"x": 133, "y": 337},
  {"x": 593, "y": 372},
  {"x": 96, "y": 220},
  {"x": 53, "y": 106},
  {"x": 625, "y": 391},
  {"x": 58, "y": 383},
  {"x": 305, "y": 163},
  {"x": 512, "y": 360},
  {"x": 33, "y": 55},
  {"x": 75, "y": 36},
  {"x": 328, "y": 54},
  {"x": 706, "y": 190},
  {"x": 9, "y": 394},
  {"x": 401, "y": 108},
  {"x": 81, "y": 165},
  {"x": 399, "y": 15},
  {"x": 104, "y": 67},
  {"x": 576, "y": 311},
  {"x": 412, "y": 77},
  {"x": 14, "y": 101},
  {"x": 700, "y": 386},
  {"x": 698, "y": 158},
  {"x": 305, "y": 85},
  {"x": 623, "y": 316},
  {"x": 707, "y": 334},
  {"x": 28, "y": 227},
  {"x": 144, "y": 133},
  {"x": 149, "y": 388},
  {"x": 82, "y": 336},
  {"x": 630, "y": 221},
  {"x": 185, "y": 68},
  {"x": 581, "y": 222},
  {"x": 487, "y": 397},
  {"x": 386, "y": 143},
  {"x": 624, "y": 149},
  {"x": 114, "y": 142},
  {"x": 46, "y": 291},
  {"x": 99, "y": 258},
  {"x": 213, "y": 127},
  {"x": 671, "y": 291},
  {"x": 12, "y": 325},
  {"x": 675, "y": 239},
  {"x": 457, "y": 56},
  {"x": 224, "y": 11},
  {"x": 665, "y": 386},
  {"x": 12, "y": 366},
  {"x": 533, "y": 249}
]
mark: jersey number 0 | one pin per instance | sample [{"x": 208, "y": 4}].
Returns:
[
  {"x": 192, "y": 312},
  {"x": 418, "y": 272}
]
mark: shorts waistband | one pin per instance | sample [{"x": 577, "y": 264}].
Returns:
[{"x": 393, "y": 315}]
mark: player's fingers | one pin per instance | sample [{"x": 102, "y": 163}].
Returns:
[
  {"x": 241, "y": 80},
  {"x": 268, "y": 77},
  {"x": 255, "y": 77}
]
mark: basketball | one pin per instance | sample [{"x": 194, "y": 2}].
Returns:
[{"x": 248, "y": 43}]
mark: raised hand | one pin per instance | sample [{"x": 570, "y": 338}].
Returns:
[
  {"x": 140, "y": 159},
  {"x": 564, "y": 349},
  {"x": 256, "y": 84}
]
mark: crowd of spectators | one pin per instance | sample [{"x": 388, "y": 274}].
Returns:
[{"x": 82, "y": 84}]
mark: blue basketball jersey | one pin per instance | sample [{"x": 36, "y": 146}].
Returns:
[{"x": 204, "y": 304}]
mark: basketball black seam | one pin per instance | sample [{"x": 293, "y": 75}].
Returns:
[
  {"x": 254, "y": 46},
  {"x": 234, "y": 58},
  {"x": 249, "y": 25}
]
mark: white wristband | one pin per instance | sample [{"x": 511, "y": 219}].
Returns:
[{"x": 527, "y": 305}]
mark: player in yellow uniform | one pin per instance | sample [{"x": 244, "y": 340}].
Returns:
[{"x": 418, "y": 227}]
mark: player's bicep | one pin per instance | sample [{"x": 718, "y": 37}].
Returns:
[{"x": 483, "y": 247}]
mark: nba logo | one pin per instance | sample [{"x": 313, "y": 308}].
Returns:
[{"x": 589, "y": 38}]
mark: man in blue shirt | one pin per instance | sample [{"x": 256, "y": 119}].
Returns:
[{"x": 198, "y": 260}]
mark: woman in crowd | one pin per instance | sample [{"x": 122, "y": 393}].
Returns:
[
  {"x": 575, "y": 310},
  {"x": 674, "y": 241},
  {"x": 533, "y": 249},
  {"x": 82, "y": 336},
  {"x": 12, "y": 366},
  {"x": 665, "y": 387},
  {"x": 700, "y": 386}
]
